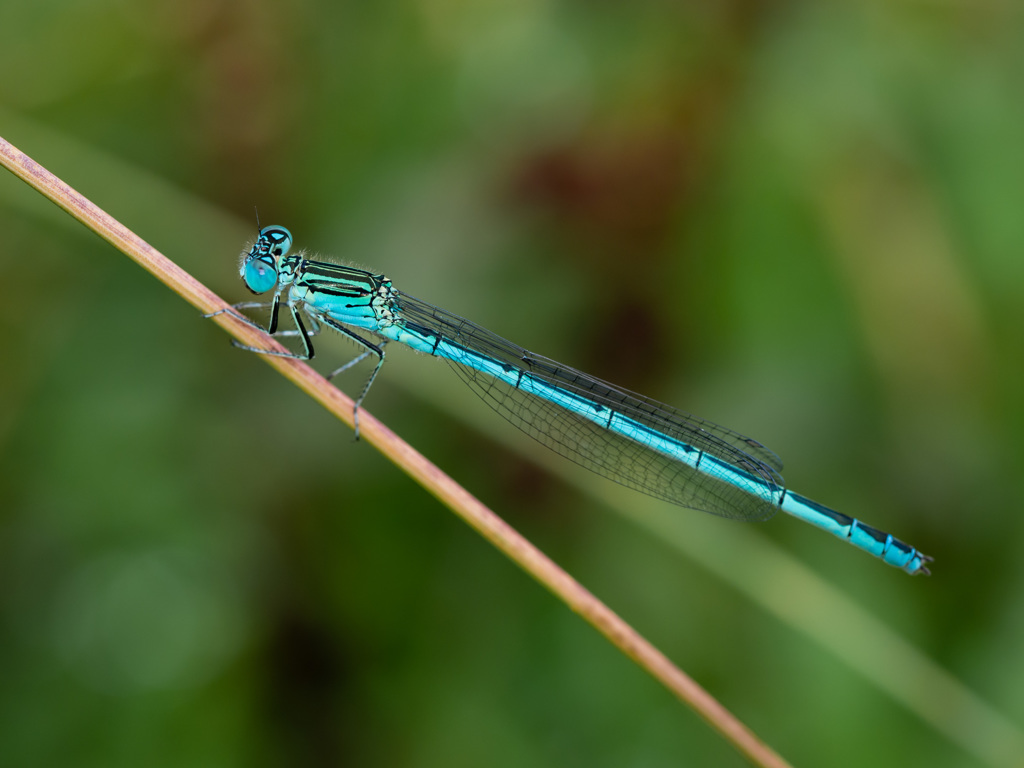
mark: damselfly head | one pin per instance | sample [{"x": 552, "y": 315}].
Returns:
[
  {"x": 260, "y": 265},
  {"x": 275, "y": 239}
]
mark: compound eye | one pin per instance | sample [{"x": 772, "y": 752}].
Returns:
[
  {"x": 278, "y": 240},
  {"x": 260, "y": 274}
]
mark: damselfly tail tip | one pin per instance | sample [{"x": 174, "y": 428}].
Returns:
[{"x": 923, "y": 569}]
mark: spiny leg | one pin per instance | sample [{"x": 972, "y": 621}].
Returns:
[
  {"x": 367, "y": 385},
  {"x": 370, "y": 349},
  {"x": 313, "y": 329},
  {"x": 314, "y": 326},
  {"x": 233, "y": 311},
  {"x": 240, "y": 305},
  {"x": 296, "y": 318},
  {"x": 354, "y": 361}
]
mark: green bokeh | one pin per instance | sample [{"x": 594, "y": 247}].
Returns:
[{"x": 802, "y": 222}]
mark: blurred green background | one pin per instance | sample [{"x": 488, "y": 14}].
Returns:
[{"x": 802, "y": 222}]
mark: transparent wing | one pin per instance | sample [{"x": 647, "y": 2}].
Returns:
[{"x": 626, "y": 460}]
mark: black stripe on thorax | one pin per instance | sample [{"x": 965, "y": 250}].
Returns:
[{"x": 339, "y": 273}]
